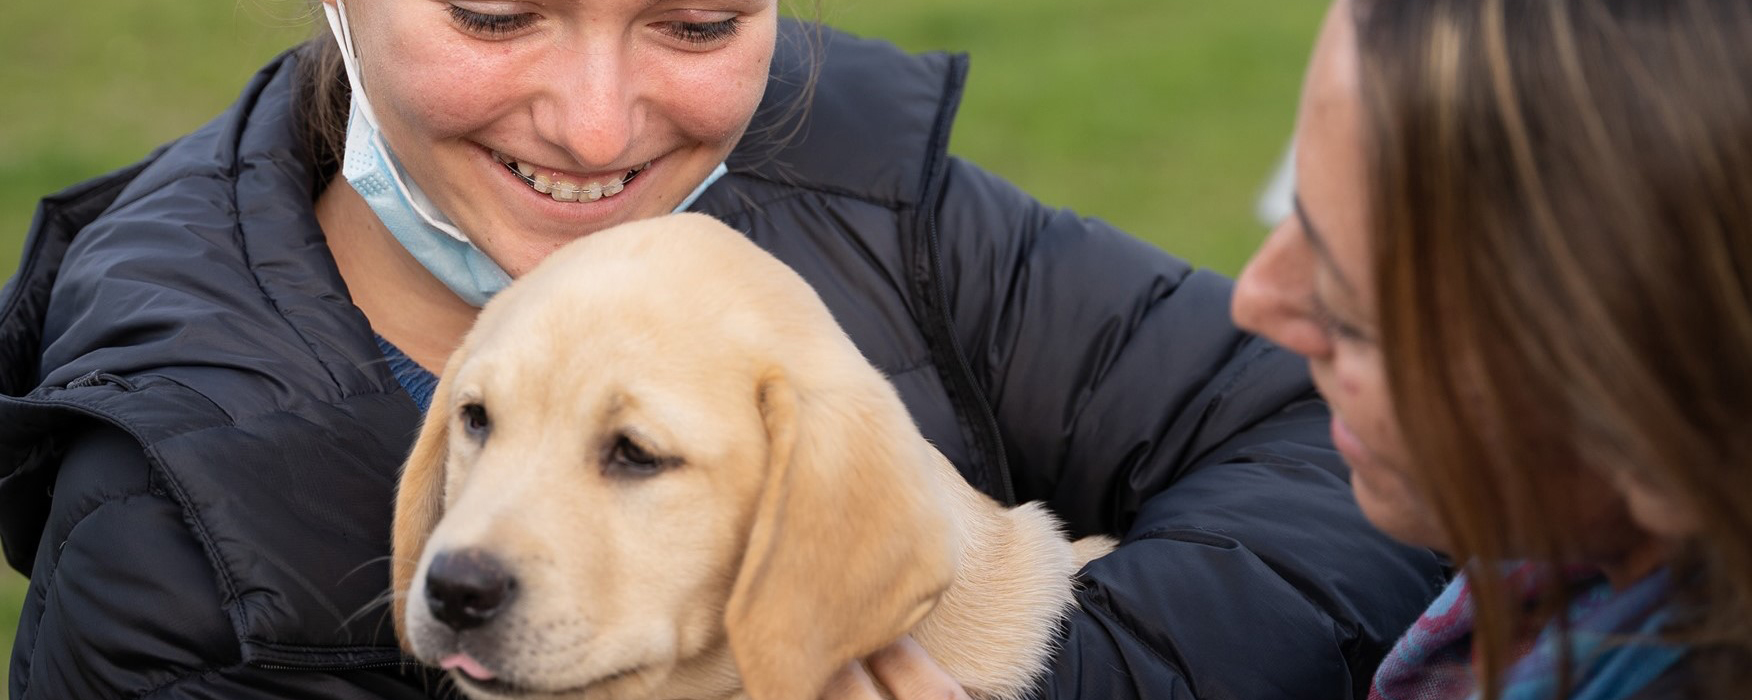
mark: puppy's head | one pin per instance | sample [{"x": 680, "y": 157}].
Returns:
[{"x": 654, "y": 453}]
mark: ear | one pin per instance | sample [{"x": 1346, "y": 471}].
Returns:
[
  {"x": 419, "y": 502},
  {"x": 851, "y": 544}
]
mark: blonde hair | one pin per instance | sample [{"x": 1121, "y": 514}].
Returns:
[{"x": 1561, "y": 194}]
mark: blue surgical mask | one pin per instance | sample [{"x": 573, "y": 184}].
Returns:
[{"x": 403, "y": 208}]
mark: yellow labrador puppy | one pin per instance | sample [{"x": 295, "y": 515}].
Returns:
[{"x": 656, "y": 468}]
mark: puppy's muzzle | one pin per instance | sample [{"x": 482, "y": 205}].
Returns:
[{"x": 467, "y": 588}]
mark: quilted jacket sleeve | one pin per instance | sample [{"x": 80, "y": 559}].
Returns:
[
  {"x": 1129, "y": 402},
  {"x": 123, "y": 604}
]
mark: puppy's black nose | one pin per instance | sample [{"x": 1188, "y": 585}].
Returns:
[{"x": 466, "y": 588}]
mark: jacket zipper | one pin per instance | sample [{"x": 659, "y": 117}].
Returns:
[
  {"x": 964, "y": 388},
  {"x": 990, "y": 440},
  {"x": 337, "y": 667}
]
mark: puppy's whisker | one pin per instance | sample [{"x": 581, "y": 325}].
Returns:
[
  {"x": 379, "y": 603},
  {"x": 370, "y": 363},
  {"x": 446, "y": 683},
  {"x": 367, "y": 564},
  {"x": 387, "y": 616}
]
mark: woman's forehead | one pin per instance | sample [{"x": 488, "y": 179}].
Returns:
[{"x": 1330, "y": 166}]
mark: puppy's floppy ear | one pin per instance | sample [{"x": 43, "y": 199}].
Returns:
[
  {"x": 419, "y": 500},
  {"x": 851, "y": 542}
]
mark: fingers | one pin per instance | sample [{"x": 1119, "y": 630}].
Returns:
[
  {"x": 903, "y": 669},
  {"x": 852, "y": 683},
  {"x": 909, "y": 673}
]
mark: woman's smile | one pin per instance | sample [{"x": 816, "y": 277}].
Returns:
[
  {"x": 546, "y": 197},
  {"x": 570, "y": 187}
]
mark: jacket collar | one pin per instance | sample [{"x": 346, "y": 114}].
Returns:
[{"x": 861, "y": 127}]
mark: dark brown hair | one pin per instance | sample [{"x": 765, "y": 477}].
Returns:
[
  {"x": 1562, "y": 204},
  {"x": 326, "y": 97},
  {"x": 324, "y": 101}
]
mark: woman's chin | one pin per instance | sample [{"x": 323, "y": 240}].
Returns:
[{"x": 1397, "y": 514}]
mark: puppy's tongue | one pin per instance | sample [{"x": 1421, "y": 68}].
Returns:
[{"x": 473, "y": 668}]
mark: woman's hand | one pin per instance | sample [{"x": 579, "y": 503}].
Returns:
[{"x": 902, "y": 671}]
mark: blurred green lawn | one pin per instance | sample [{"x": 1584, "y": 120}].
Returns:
[{"x": 1161, "y": 116}]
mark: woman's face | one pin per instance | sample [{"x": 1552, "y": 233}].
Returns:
[
  {"x": 1309, "y": 288},
  {"x": 478, "y": 97}
]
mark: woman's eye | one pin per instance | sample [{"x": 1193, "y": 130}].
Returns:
[
  {"x": 1334, "y": 327},
  {"x": 703, "y": 33},
  {"x": 1345, "y": 333},
  {"x": 488, "y": 24}
]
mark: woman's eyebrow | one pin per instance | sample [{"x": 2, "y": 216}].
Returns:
[{"x": 1318, "y": 243}]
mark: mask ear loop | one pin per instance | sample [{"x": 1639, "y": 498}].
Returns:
[
  {"x": 337, "y": 21},
  {"x": 422, "y": 205}
]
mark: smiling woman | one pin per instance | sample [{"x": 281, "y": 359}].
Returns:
[
  {"x": 568, "y": 99},
  {"x": 259, "y": 318}
]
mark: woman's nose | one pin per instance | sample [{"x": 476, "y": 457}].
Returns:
[
  {"x": 1274, "y": 295},
  {"x": 590, "y": 106}
]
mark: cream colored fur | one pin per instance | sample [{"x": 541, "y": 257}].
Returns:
[{"x": 801, "y": 520}]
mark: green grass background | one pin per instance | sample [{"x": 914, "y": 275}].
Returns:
[{"x": 1161, "y": 116}]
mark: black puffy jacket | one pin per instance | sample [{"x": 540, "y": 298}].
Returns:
[{"x": 199, "y": 438}]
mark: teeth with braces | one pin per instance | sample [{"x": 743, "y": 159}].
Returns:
[{"x": 564, "y": 190}]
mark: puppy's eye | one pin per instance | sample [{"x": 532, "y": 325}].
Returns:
[
  {"x": 474, "y": 421},
  {"x": 627, "y": 458}
]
